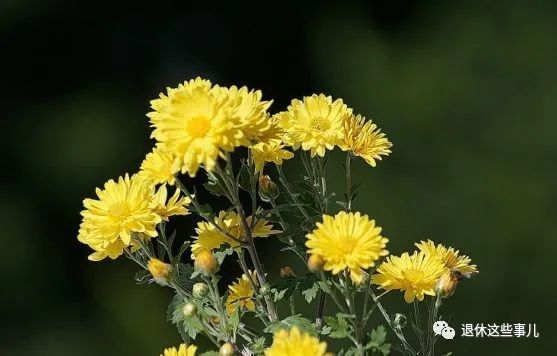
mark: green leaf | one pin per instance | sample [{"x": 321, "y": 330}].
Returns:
[
  {"x": 213, "y": 186},
  {"x": 340, "y": 328},
  {"x": 221, "y": 255},
  {"x": 209, "y": 353},
  {"x": 177, "y": 301},
  {"x": 142, "y": 277},
  {"x": 258, "y": 346},
  {"x": 299, "y": 321},
  {"x": 183, "y": 275},
  {"x": 310, "y": 293},
  {"x": 377, "y": 342}
]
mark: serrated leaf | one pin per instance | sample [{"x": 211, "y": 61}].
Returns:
[
  {"x": 183, "y": 276},
  {"x": 377, "y": 342},
  {"x": 299, "y": 321},
  {"x": 310, "y": 293},
  {"x": 340, "y": 328}
]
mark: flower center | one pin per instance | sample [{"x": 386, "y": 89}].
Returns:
[
  {"x": 413, "y": 275},
  {"x": 198, "y": 126},
  {"x": 320, "y": 123},
  {"x": 119, "y": 211}
]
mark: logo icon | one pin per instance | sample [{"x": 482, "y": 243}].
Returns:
[{"x": 441, "y": 327}]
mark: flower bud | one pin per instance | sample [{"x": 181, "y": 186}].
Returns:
[
  {"x": 200, "y": 290},
  {"x": 189, "y": 310},
  {"x": 160, "y": 271},
  {"x": 315, "y": 263},
  {"x": 447, "y": 284},
  {"x": 399, "y": 320},
  {"x": 206, "y": 263},
  {"x": 215, "y": 320},
  {"x": 265, "y": 289},
  {"x": 287, "y": 271},
  {"x": 268, "y": 190},
  {"x": 226, "y": 349}
]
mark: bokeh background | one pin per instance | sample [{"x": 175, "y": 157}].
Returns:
[{"x": 467, "y": 91}]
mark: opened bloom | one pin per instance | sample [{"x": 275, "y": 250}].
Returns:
[
  {"x": 176, "y": 205},
  {"x": 249, "y": 111},
  {"x": 315, "y": 123},
  {"x": 159, "y": 167},
  {"x": 123, "y": 208},
  {"x": 452, "y": 259},
  {"x": 347, "y": 241},
  {"x": 274, "y": 151},
  {"x": 230, "y": 232},
  {"x": 362, "y": 138},
  {"x": 193, "y": 122},
  {"x": 183, "y": 350},
  {"x": 240, "y": 295},
  {"x": 416, "y": 275},
  {"x": 293, "y": 342}
]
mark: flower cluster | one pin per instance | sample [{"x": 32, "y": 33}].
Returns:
[{"x": 342, "y": 254}]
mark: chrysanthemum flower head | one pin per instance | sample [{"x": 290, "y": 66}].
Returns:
[
  {"x": 209, "y": 237},
  {"x": 293, "y": 342},
  {"x": 159, "y": 167},
  {"x": 274, "y": 151},
  {"x": 452, "y": 259},
  {"x": 363, "y": 139},
  {"x": 123, "y": 208},
  {"x": 315, "y": 123},
  {"x": 195, "y": 123},
  {"x": 347, "y": 241},
  {"x": 183, "y": 350},
  {"x": 176, "y": 205},
  {"x": 240, "y": 294},
  {"x": 249, "y": 110},
  {"x": 415, "y": 274}
]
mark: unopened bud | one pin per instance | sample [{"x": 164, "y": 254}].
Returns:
[
  {"x": 447, "y": 284},
  {"x": 206, "y": 263},
  {"x": 268, "y": 190},
  {"x": 189, "y": 310},
  {"x": 287, "y": 271},
  {"x": 315, "y": 263},
  {"x": 265, "y": 289},
  {"x": 399, "y": 320},
  {"x": 215, "y": 320},
  {"x": 200, "y": 290},
  {"x": 226, "y": 350},
  {"x": 160, "y": 271}
]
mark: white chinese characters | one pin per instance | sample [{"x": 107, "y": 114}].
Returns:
[{"x": 504, "y": 330}]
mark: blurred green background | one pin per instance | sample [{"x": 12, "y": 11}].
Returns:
[{"x": 466, "y": 91}]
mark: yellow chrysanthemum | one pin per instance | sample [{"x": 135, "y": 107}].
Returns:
[
  {"x": 240, "y": 295},
  {"x": 249, "y": 111},
  {"x": 293, "y": 342},
  {"x": 451, "y": 258},
  {"x": 416, "y": 275},
  {"x": 159, "y": 167},
  {"x": 347, "y": 241},
  {"x": 183, "y": 350},
  {"x": 315, "y": 123},
  {"x": 196, "y": 123},
  {"x": 123, "y": 208},
  {"x": 269, "y": 152},
  {"x": 363, "y": 139},
  {"x": 176, "y": 205},
  {"x": 209, "y": 237}
]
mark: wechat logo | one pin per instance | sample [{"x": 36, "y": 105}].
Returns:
[{"x": 441, "y": 327}]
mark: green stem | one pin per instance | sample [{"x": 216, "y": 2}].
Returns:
[
  {"x": 396, "y": 330},
  {"x": 286, "y": 185},
  {"x": 348, "y": 182}
]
